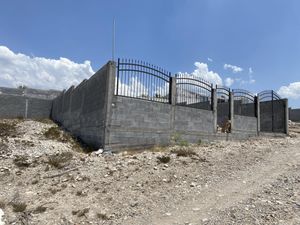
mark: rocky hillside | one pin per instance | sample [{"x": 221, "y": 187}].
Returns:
[{"x": 49, "y": 178}]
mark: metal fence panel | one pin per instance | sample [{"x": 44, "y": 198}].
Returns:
[
  {"x": 137, "y": 79},
  {"x": 192, "y": 92}
]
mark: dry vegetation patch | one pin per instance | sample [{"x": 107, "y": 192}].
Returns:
[
  {"x": 59, "y": 160},
  {"x": 7, "y": 129}
]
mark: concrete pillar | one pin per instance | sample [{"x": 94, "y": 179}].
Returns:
[
  {"x": 286, "y": 105},
  {"x": 172, "y": 90},
  {"x": 231, "y": 110},
  {"x": 215, "y": 108},
  {"x": 257, "y": 101},
  {"x": 26, "y": 109},
  {"x": 109, "y": 94}
]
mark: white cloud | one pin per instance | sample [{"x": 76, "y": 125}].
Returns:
[
  {"x": 235, "y": 69},
  {"x": 203, "y": 72},
  {"x": 291, "y": 91},
  {"x": 250, "y": 70},
  {"x": 229, "y": 81},
  {"x": 251, "y": 79},
  {"x": 37, "y": 72},
  {"x": 134, "y": 88},
  {"x": 209, "y": 59}
]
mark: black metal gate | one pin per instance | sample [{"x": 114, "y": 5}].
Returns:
[
  {"x": 223, "y": 105},
  {"x": 272, "y": 112}
]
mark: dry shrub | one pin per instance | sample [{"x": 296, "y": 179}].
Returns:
[
  {"x": 164, "y": 158},
  {"x": 40, "y": 209},
  {"x": 59, "y": 160},
  {"x": 21, "y": 161},
  {"x": 184, "y": 152},
  {"x": 19, "y": 206},
  {"x": 102, "y": 216}
]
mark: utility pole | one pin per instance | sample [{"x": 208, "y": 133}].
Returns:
[{"x": 113, "y": 39}]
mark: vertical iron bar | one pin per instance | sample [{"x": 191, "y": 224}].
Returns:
[{"x": 118, "y": 76}]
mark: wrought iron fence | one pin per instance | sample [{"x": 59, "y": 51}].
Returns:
[
  {"x": 142, "y": 80},
  {"x": 244, "y": 102},
  {"x": 223, "y": 104},
  {"x": 193, "y": 92},
  {"x": 268, "y": 95}
]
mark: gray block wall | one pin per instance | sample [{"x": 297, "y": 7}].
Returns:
[
  {"x": 83, "y": 110},
  {"x": 245, "y": 124},
  {"x": 294, "y": 115},
  {"x": 14, "y": 106},
  {"x": 136, "y": 122}
]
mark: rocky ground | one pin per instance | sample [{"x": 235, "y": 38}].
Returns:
[{"x": 48, "y": 178}]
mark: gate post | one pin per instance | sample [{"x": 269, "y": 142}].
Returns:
[
  {"x": 231, "y": 110},
  {"x": 286, "y": 106},
  {"x": 215, "y": 108},
  {"x": 172, "y": 91},
  {"x": 257, "y": 101}
]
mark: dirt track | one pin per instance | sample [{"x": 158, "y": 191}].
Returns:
[{"x": 251, "y": 182}]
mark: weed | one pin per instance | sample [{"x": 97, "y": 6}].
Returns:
[
  {"x": 21, "y": 161},
  {"x": 19, "y": 206},
  {"x": 199, "y": 142},
  {"x": 59, "y": 160}
]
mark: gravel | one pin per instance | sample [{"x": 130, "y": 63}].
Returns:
[{"x": 251, "y": 182}]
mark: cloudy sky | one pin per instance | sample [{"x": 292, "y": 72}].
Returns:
[{"x": 254, "y": 45}]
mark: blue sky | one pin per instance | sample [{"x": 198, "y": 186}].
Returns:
[{"x": 261, "y": 35}]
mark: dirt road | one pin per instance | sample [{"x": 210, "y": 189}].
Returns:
[{"x": 47, "y": 179}]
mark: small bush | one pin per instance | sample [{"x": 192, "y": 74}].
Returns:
[
  {"x": 19, "y": 206},
  {"x": 59, "y": 160}
]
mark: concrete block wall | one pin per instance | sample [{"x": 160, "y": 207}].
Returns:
[
  {"x": 84, "y": 110},
  {"x": 17, "y": 106},
  {"x": 245, "y": 124},
  {"x": 137, "y": 122},
  {"x": 294, "y": 115}
]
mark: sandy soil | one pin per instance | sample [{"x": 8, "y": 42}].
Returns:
[{"x": 50, "y": 180}]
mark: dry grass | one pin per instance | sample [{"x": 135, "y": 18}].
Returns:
[
  {"x": 7, "y": 129},
  {"x": 19, "y": 206},
  {"x": 59, "y": 160},
  {"x": 56, "y": 133},
  {"x": 2, "y": 204}
]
